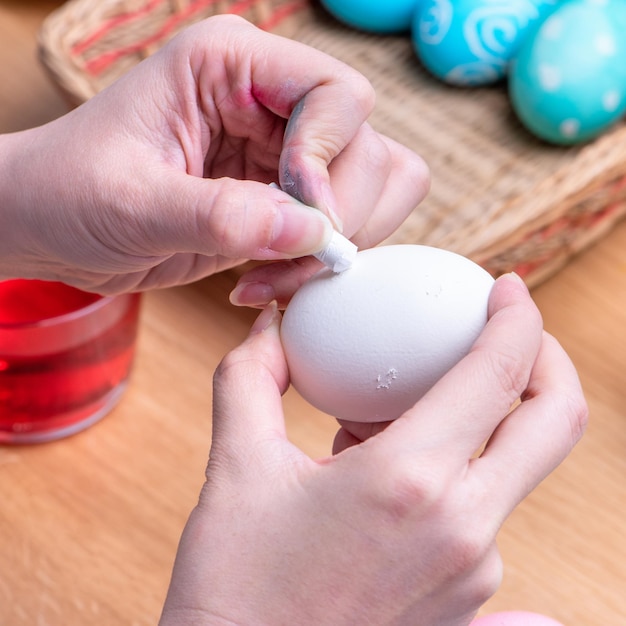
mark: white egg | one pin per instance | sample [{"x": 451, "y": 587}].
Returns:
[{"x": 366, "y": 344}]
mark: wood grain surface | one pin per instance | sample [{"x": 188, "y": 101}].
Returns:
[{"x": 89, "y": 525}]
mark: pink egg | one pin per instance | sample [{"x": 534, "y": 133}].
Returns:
[{"x": 515, "y": 618}]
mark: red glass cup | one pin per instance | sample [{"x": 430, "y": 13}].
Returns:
[{"x": 65, "y": 358}]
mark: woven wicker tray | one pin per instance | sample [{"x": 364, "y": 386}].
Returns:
[{"x": 498, "y": 196}]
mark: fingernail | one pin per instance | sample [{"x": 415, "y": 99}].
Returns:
[
  {"x": 252, "y": 294},
  {"x": 328, "y": 199},
  {"x": 516, "y": 277},
  {"x": 300, "y": 230},
  {"x": 265, "y": 319}
]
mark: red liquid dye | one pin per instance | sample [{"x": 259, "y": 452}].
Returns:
[{"x": 56, "y": 374}]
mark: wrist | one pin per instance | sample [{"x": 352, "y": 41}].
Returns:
[{"x": 14, "y": 202}]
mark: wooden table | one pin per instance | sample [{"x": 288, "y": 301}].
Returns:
[{"x": 89, "y": 525}]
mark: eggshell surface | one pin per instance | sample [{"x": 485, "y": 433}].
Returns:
[
  {"x": 568, "y": 81},
  {"x": 366, "y": 344},
  {"x": 515, "y": 618},
  {"x": 390, "y": 16},
  {"x": 471, "y": 42}
]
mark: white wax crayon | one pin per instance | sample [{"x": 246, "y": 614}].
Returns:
[{"x": 339, "y": 254}]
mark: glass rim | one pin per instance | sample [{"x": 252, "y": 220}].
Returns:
[
  {"x": 67, "y": 331},
  {"x": 69, "y": 317}
]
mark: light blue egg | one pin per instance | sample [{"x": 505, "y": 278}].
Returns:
[
  {"x": 470, "y": 42},
  {"x": 376, "y": 16},
  {"x": 568, "y": 82}
]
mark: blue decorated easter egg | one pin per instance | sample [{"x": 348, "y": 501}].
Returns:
[
  {"x": 568, "y": 82},
  {"x": 471, "y": 42},
  {"x": 376, "y": 16}
]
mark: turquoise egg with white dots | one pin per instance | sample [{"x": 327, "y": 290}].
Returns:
[
  {"x": 471, "y": 42},
  {"x": 568, "y": 82}
]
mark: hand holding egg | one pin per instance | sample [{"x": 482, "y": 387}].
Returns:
[
  {"x": 366, "y": 344},
  {"x": 405, "y": 525}
]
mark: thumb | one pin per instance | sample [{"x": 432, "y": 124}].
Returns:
[
  {"x": 242, "y": 219},
  {"x": 247, "y": 394}
]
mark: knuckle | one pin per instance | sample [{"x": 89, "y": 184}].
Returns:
[
  {"x": 580, "y": 418},
  {"x": 487, "y": 577},
  {"x": 361, "y": 89},
  {"x": 408, "y": 489},
  {"x": 235, "y": 227},
  {"x": 225, "y": 368},
  {"x": 255, "y": 360},
  {"x": 569, "y": 399},
  {"x": 507, "y": 370},
  {"x": 365, "y": 93},
  {"x": 378, "y": 156},
  {"x": 573, "y": 405},
  {"x": 238, "y": 363},
  {"x": 417, "y": 172},
  {"x": 466, "y": 551},
  {"x": 237, "y": 366}
]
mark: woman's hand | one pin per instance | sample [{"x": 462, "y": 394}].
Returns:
[
  {"x": 163, "y": 177},
  {"x": 399, "y": 526}
]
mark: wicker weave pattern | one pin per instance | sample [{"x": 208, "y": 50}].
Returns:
[
  {"x": 87, "y": 45},
  {"x": 498, "y": 196}
]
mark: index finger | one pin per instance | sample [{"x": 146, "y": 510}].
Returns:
[
  {"x": 322, "y": 124},
  {"x": 326, "y": 103}
]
